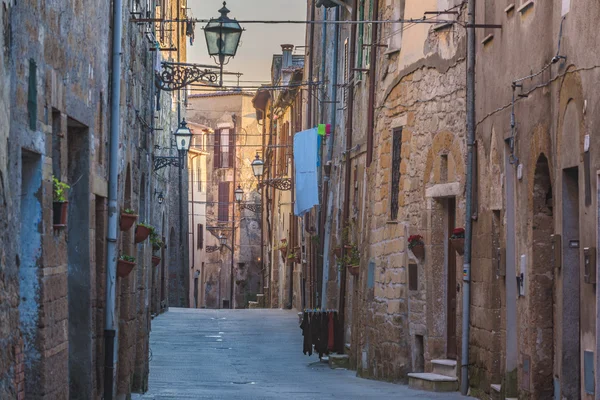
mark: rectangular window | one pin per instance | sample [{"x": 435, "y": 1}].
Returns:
[
  {"x": 395, "y": 29},
  {"x": 225, "y": 148},
  {"x": 200, "y": 243},
  {"x": 223, "y": 202},
  {"x": 396, "y": 161},
  {"x": 32, "y": 95},
  {"x": 199, "y": 173}
]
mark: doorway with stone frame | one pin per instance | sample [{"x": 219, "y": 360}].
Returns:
[
  {"x": 442, "y": 340},
  {"x": 541, "y": 286}
]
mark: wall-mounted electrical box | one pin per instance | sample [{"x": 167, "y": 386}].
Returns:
[
  {"x": 557, "y": 247},
  {"x": 589, "y": 265},
  {"x": 500, "y": 261}
]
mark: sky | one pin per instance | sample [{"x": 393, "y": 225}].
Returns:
[{"x": 259, "y": 41}]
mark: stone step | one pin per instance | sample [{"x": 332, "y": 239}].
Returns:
[
  {"x": 260, "y": 299},
  {"x": 253, "y": 304},
  {"x": 495, "y": 391},
  {"x": 432, "y": 382},
  {"x": 445, "y": 367},
  {"x": 339, "y": 361}
]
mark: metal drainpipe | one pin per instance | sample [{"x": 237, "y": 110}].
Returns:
[
  {"x": 322, "y": 214},
  {"x": 350, "y": 117},
  {"x": 110, "y": 323},
  {"x": 333, "y": 119},
  {"x": 464, "y": 381},
  {"x": 372, "y": 83}
]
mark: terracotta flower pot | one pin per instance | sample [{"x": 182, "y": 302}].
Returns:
[
  {"x": 338, "y": 252},
  {"x": 353, "y": 269},
  {"x": 124, "y": 268},
  {"x": 60, "y": 209},
  {"x": 127, "y": 221},
  {"x": 459, "y": 245},
  {"x": 141, "y": 233},
  {"x": 155, "y": 260},
  {"x": 418, "y": 251}
]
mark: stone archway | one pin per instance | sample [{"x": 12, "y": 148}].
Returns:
[{"x": 541, "y": 285}]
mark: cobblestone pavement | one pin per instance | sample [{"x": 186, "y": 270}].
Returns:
[{"x": 249, "y": 354}]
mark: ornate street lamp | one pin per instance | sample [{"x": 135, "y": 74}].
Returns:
[
  {"x": 223, "y": 240},
  {"x": 223, "y": 36},
  {"x": 239, "y": 194},
  {"x": 258, "y": 166},
  {"x": 183, "y": 137}
]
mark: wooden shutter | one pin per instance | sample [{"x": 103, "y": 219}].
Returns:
[
  {"x": 223, "y": 201},
  {"x": 217, "y": 152},
  {"x": 396, "y": 161},
  {"x": 231, "y": 148},
  {"x": 200, "y": 236},
  {"x": 286, "y": 149}
]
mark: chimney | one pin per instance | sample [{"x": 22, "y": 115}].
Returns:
[{"x": 287, "y": 55}]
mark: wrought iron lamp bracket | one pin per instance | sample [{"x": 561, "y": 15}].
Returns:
[
  {"x": 212, "y": 249},
  {"x": 277, "y": 183},
  {"x": 256, "y": 208},
  {"x": 175, "y": 76},
  {"x": 161, "y": 162}
]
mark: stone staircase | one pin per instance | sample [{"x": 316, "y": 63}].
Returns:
[{"x": 443, "y": 378}]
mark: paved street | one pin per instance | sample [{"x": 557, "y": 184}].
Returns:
[{"x": 249, "y": 354}]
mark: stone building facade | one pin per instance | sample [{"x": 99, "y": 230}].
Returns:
[
  {"x": 279, "y": 108},
  {"x": 233, "y": 140},
  {"x": 536, "y": 336},
  {"x": 395, "y": 165},
  {"x": 55, "y": 61}
]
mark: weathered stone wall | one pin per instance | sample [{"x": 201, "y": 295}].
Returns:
[
  {"x": 12, "y": 374},
  {"x": 548, "y": 326},
  {"x": 58, "y": 62}
]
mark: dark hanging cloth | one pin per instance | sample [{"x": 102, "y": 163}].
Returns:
[
  {"x": 306, "y": 332},
  {"x": 330, "y": 332},
  {"x": 324, "y": 334}
]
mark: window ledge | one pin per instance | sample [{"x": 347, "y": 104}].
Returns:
[
  {"x": 525, "y": 6},
  {"x": 391, "y": 222},
  {"x": 487, "y": 39},
  {"x": 510, "y": 8},
  {"x": 389, "y": 52},
  {"x": 442, "y": 26}
]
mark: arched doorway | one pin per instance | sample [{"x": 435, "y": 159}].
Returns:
[{"x": 541, "y": 284}]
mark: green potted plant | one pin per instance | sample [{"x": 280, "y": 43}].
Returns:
[
  {"x": 157, "y": 244},
  {"x": 142, "y": 231},
  {"x": 458, "y": 240},
  {"x": 128, "y": 218},
  {"x": 60, "y": 205},
  {"x": 352, "y": 260},
  {"x": 417, "y": 246},
  {"x": 125, "y": 265},
  {"x": 282, "y": 247}
]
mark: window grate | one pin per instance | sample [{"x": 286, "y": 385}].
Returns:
[{"x": 396, "y": 161}]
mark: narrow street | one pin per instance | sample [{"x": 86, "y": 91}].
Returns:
[{"x": 249, "y": 354}]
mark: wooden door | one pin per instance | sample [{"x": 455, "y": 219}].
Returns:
[{"x": 451, "y": 289}]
